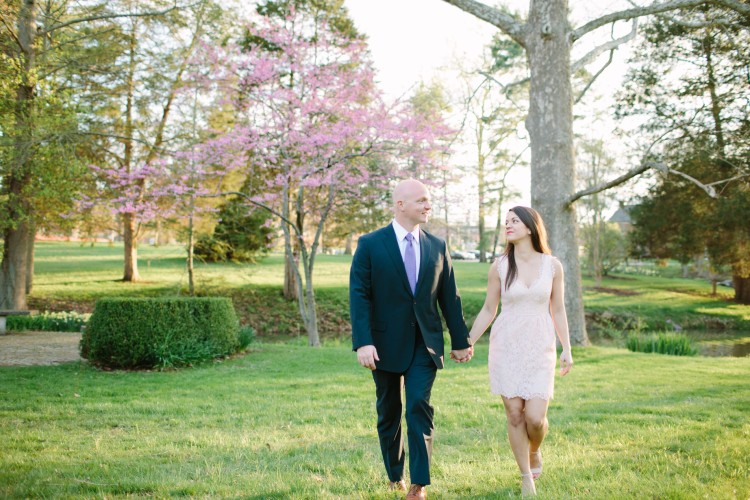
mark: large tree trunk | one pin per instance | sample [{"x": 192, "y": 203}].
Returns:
[
  {"x": 130, "y": 241},
  {"x": 550, "y": 126},
  {"x": 741, "y": 289},
  {"x": 129, "y": 223},
  {"x": 14, "y": 268},
  {"x": 311, "y": 319}
]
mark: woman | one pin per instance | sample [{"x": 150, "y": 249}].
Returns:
[{"x": 522, "y": 340}]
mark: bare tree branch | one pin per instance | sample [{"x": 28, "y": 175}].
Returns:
[
  {"x": 593, "y": 78},
  {"x": 105, "y": 16},
  {"x": 660, "y": 166},
  {"x": 700, "y": 24},
  {"x": 507, "y": 87},
  {"x": 508, "y": 24},
  {"x": 725, "y": 21},
  {"x": 611, "y": 45},
  {"x": 259, "y": 204},
  {"x": 113, "y": 136},
  {"x": 10, "y": 31},
  {"x": 738, "y": 6},
  {"x": 724, "y": 181},
  {"x": 614, "y": 182},
  {"x": 654, "y": 8},
  {"x": 710, "y": 191}
]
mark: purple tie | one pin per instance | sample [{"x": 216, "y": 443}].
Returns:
[{"x": 410, "y": 262}]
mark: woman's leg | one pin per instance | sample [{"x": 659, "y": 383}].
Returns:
[
  {"x": 517, "y": 434},
  {"x": 519, "y": 442},
  {"x": 535, "y": 417}
]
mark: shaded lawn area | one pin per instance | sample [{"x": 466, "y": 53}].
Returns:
[
  {"x": 71, "y": 277},
  {"x": 288, "y": 421}
]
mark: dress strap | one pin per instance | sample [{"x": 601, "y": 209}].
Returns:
[
  {"x": 502, "y": 267},
  {"x": 552, "y": 260}
]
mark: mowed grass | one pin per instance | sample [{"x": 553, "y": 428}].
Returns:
[
  {"x": 289, "y": 421},
  {"x": 70, "y": 276}
]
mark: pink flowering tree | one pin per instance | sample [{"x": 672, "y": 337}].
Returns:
[
  {"x": 312, "y": 125},
  {"x": 136, "y": 195}
]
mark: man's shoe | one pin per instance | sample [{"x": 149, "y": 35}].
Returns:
[
  {"x": 397, "y": 485},
  {"x": 417, "y": 492}
]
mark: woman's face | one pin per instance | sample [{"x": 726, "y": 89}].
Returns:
[{"x": 515, "y": 230}]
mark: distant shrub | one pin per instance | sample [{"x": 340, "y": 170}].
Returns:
[
  {"x": 48, "y": 322},
  {"x": 246, "y": 336},
  {"x": 241, "y": 235},
  {"x": 676, "y": 344},
  {"x": 159, "y": 333}
]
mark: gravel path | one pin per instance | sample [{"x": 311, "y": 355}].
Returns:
[{"x": 38, "y": 348}]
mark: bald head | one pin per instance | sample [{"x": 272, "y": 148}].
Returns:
[
  {"x": 407, "y": 189},
  {"x": 411, "y": 203}
]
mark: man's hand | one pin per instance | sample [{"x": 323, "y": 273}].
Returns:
[
  {"x": 367, "y": 355},
  {"x": 462, "y": 355}
]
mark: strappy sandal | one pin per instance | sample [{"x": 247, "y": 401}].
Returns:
[
  {"x": 528, "y": 489},
  {"x": 536, "y": 471}
]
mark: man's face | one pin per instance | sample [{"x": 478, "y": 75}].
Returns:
[{"x": 415, "y": 207}]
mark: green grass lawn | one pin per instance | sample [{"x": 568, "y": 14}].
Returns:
[
  {"x": 288, "y": 421},
  {"x": 71, "y": 277}
]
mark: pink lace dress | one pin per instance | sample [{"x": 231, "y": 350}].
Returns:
[{"x": 522, "y": 340}]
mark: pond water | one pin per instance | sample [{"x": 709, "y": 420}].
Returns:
[
  {"x": 718, "y": 343},
  {"x": 737, "y": 348},
  {"x": 709, "y": 343}
]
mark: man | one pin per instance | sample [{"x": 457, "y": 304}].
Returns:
[{"x": 399, "y": 276}]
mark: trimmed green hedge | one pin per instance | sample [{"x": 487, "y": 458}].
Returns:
[{"x": 159, "y": 333}]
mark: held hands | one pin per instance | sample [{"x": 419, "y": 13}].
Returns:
[
  {"x": 367, "y": 355},
  {"x": 566, "y": 362},
  {"x": 462, "y": 355}
]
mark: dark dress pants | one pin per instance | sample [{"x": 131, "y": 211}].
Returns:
[{"x": 417, "y": 384}]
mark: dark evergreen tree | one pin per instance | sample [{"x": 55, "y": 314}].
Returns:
[{"x": 691, "y": 85}]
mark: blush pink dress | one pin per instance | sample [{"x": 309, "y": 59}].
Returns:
[{"x": 522, "y": 340}]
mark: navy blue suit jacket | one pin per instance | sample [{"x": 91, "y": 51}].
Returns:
[{"x": 384, "y": 312}]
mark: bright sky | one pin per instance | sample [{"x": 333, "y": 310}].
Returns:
[{"x": 411, "y": 40}]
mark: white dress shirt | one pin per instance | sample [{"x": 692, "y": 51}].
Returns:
[{"x": 401, "y": 238}]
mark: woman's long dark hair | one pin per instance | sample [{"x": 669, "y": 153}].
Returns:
[{"x": 534, "y": 222}]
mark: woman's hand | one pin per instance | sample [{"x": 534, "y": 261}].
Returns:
[{"x": 566, "y": 362}]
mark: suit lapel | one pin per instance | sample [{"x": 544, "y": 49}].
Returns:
[
  {"x": 425, "y": 257},
  {"x": 392, "y": 249}
]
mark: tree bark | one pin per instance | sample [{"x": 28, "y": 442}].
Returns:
[
  {"x": 129, "y": 223},
  {"x": 741, "y": 289},
  {"x": 191, "y": 248},
  {"x": 30, "y": 257},
  {"x": 130, "y": 242},
  {"x": 481, "y": 226},
  {"x": 550, "y": 126},
  {"x": 14, "y": 268}
]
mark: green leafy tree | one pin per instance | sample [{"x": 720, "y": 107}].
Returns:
[
  {"x": 40, "y": 42},
  {"x": 688, "y": 87}
]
